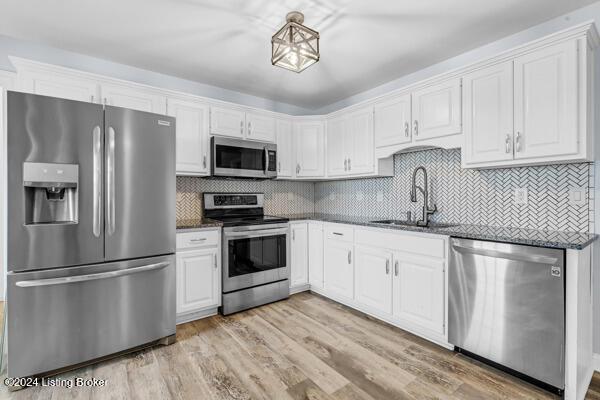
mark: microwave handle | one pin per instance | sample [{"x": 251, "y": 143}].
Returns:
[{"x": 266, "y": 160}]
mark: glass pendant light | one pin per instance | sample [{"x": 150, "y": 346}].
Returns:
[{"x": 294, "y": 46}]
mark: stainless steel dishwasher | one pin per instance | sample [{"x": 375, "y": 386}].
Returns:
[{"x": 507, "y": 305}]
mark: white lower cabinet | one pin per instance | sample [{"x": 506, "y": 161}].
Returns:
[
  {"x": 419, "y": 291},
  {"x": 315, "y": 254},
  {"x": 299, "y": 254},
  {"x": 338, "y": 269},
  {"x": 198, "y": 275},
  {"x": 373, "y": 283}
]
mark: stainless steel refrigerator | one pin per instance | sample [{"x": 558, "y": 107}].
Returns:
[{"x": 91, "y": 231}]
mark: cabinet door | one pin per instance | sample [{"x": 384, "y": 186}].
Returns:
[
  {"x": 337, "y": 157},
  {"x": 260, "y": 127},
  {"x": 299, "y": 256},
  {"x": 488, "y": 114},
  {"x": 227, "y": 122},
  {"x": 198, "y": 278},
  {"x": 58, "y": 85},
  {"x": 338, "y": 271},
  {"x": 546, "y": 88},
  {"x": 310, "y": 154},
  {"x": 360, "y": 143},
  {"x": 419, "y": 291},
  {"x": 373, "y": 283},
  {"x": 133, "y": 98},
  {"x": 315, "y": 254},
  {"x": 436, "y": 110},
  {"x": 393, "y": 124},
  {"x": 192, "y": 140},
  {"x": 285, "y": 157}
]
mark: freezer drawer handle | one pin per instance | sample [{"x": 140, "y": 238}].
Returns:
[
  {"x": 91, "y": 277},
  {"x": 509, "y": 256}
]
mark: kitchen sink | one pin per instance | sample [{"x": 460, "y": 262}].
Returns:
[{"x": 398, "y": 222}]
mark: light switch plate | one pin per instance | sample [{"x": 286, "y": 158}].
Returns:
[
  {"x": 331, "y": 196},
  {"x": 290, "y": 196},
  {"x": 577, "y": 196},
  {"x": 521, "y": 195},
  {"x": 379, "y": 197}
]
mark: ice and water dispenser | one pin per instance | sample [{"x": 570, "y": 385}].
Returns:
[{"x": 51, "y": 193}]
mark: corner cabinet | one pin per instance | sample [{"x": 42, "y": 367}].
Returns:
[
  {"x": 192, "y": 138},
  {"x": 198, "y": 274},
  {"x": 309, "y": 144},
  {"x": 534, "y": 109}
]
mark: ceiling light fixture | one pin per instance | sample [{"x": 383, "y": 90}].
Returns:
[{"x": 294, "y": 46}]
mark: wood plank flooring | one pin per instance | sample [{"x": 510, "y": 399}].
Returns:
[{"x": 307, "y": 347}]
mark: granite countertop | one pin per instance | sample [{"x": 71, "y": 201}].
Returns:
[
  {"x": 533, "y": 237},
  {"x": 197, "y": 223}
]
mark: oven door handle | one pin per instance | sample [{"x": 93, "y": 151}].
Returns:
[{"x": 255, "y": 233}]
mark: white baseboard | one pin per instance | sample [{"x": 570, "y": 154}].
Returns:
[
  {"x": 596, "y": 361},
  {"x": 299, "y": 288}
]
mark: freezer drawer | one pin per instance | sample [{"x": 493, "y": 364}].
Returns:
[
  {"x": 61, "y": 317},
  {"x": 507, "y": 304}
]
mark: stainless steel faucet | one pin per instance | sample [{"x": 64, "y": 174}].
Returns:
[{"x": 413, "y": 196}]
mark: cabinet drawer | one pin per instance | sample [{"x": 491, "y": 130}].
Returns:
[
  {"x": 190, "y": 240},
  {"x": 417, "y": 244},
  {"x": 339, "y": 232}
]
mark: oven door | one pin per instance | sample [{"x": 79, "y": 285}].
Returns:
[
  {"x": 255, "y": 255},
  {"x": 243, "y": 159}
]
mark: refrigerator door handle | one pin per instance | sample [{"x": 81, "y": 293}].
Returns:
[
  {"x": 110, "y": 181},
  {"x": 91, "y": 277},
  {"x": 97, "y": 183}
]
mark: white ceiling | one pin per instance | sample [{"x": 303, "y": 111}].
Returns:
[{"x": 226, "y": 43}]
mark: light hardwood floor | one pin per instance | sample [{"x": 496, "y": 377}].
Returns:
[{"x": 307, "y": 347}]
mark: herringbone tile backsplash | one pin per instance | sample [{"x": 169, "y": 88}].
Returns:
[
  {"x": 468, "y": 196},
  {"x": 281, "y": 197}
]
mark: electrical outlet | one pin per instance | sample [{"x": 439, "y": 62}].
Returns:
[
  {"x": 331, "y": 196},
  {"x": 521, "y": 196},
  {"x": 379, "y": 197},
  {"x": 290, "y": 196},
  {"x": 360, "y": 196},
  {"x": 577, "y": 196}
]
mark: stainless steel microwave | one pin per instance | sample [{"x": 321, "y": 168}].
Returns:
[{"x": 236, "y": 158}]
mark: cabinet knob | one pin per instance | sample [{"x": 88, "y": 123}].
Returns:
[
  {"x": 242, "y": 127},
  {"x": 387, "y": 267},
  {"x": 507, "y": 142},
  {"x": 349, "y": 164},
  {"x": 416, "y": 128},
  {"x": 396, "y": 268},
  {"x": 204, "y": 161},
  {"x": 349, "y": 256},
  {"x": 249, "y": 128},
  {"x": 345, "y": 164},
  {"x": 518, "y": 144},
  {"x": 406, "y": 128}
]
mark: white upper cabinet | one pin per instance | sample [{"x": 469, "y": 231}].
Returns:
[
  {"x": 373, "y": 281},
  {"x": 227, "y": 122},
  {"x": 360, "y": 149},
  {"x": 134, "y": 98},
  {"x": 337, "y": 147},
  {"x": 260, "y": 127},
  {"x": 192, "y": 139},
  {"x": 393, "y": 122},
  {"x": 350, "y": 144},
  {"x": 285, "y": 155},
  {"x": 309, "y": 143},
  {"x": 546, "y": 89},
  {"x": 436, "y": 110},
  {"x": 64, "y": 86},
  {"x": 299, "y": 254},
  {"x": 488, "y": 114}
]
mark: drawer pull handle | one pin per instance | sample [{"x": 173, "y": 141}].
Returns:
[
  {"x": 198, "y": 240},
  {"x": 337, "y": 233}
]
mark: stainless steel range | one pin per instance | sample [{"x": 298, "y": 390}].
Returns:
[{"x": 256, "y": 259}]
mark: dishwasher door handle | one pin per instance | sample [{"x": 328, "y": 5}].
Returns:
[{"x": 534, "y": 258}]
